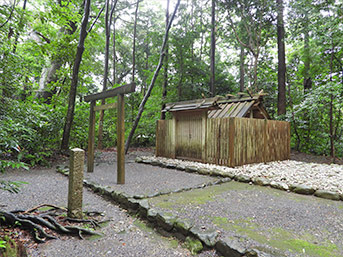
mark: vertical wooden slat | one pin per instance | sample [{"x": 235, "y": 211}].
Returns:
[
  {"x": 232, "y": 142},
  {"x": 203, "y": 137},
  {"x": 91, "y": 135},
  {"x": 120, "y": 141},
  {"x": 173, "y": 135}
]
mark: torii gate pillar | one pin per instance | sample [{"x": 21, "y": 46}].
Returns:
[{"x": 119, "y": 91}]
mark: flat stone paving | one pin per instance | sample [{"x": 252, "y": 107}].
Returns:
[
  {"x": 145, "y": 180},
  {"x": 125, "y": 235},
  {"x": 274, "y": 222}
]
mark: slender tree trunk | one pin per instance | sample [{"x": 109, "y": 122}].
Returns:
[
  {"x": 213, "y": 49},
  {"x": 179, "y": 85},
  {"x": 134, "y": 44},
  {"x": 75, "y": 77},
  {"x": 307, "y": 60},
  {"x": 255, "y": 71},
  {"x": 114, "y": 51},
  {"x": 152, "y": 83},
  {"x": 281, "y": 60},
  {"x": 332, "y": 133},
  {"x": 20, "y": 28},
  {"x": 165, "y": 82},
  {"x": 241, "y": 70},
  {"x": 104, "y": 87}
]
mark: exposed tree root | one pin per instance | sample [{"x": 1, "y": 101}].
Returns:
[
  {"x": 38, "y": 223},
  {"x": 45, "y": 205}
]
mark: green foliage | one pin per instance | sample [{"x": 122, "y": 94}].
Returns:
[
  {"x": 11, "y": 186},
  {"x": 29, "y": 131}
]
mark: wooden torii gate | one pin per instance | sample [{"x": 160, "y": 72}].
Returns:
[{"x": 119, "y": 91}]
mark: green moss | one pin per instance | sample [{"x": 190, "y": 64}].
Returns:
[
  {"x": 278, "y": 238},
  {"x": 173, "y": 243},
  {"x": 194, "y": 197},
  {"x": 94, "y": 237},
  {"x": 143, "y": 226},
  {"x": 194, "y": 245}
]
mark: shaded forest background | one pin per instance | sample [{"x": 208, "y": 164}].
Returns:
[{"x": 39, "y": 42}]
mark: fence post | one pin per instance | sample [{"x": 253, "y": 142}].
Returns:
[
  {"x": 75, "y": 189},
  {"x": 232, "y": 142},
  {"x": 173, "y": 137},
  {"x": 203, "y": 137}
]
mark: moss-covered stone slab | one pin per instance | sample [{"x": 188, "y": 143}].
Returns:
[
  {"x": 207, "y": 236},
  {"x": 230, "y": 248},
  {"x": 327, "y": 195},
  {"x": 243, "y": 178},
  {"x": 183, "y": 226},
  {"x": 166, "y": 220},
  {"x": 261, "y": 181},
  {"x": 302, "y": 189}
]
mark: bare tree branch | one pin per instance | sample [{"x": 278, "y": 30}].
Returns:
[
  {"x": 152, "y": 83},
  {"x": 10, "y": 16}
]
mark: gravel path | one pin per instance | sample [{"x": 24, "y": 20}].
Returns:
[
  {"x": 124, "y": 236},
  {"x": 306, "y": 171},
  {"x": 273, "y": 221},
  {"x": 143, "y": 179}
]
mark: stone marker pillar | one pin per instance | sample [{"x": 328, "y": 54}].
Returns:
[{"x": 75, "y": 191}]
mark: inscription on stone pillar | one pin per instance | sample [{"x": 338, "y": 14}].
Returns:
[{"x": 75, "y": 190}]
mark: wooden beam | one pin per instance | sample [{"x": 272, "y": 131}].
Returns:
[
  {"x": 105, "y": 107},
  {"x": 128, "y": 88},
  {"x": 120, "y": 141},
  {"x": 91, "y": 135}
]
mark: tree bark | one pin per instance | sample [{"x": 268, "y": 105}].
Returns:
[
  {"x": 75, "y": 77},
  {"x": 332, "y": 132},
  {"x": 152, "y": 83},
  {"x": 114, "y": 52},
  {"x": 107, "y": 51},
  {"x": 134, "y": 44},
  {"x": 241, "y": 70},
  {"x": 213, "y": 49},
  {"x": 49, "y": 73},
  {"x": 307, "y": 61},
  {"x": 281, "y": 60},
  {"x": 165, "y": 82}
]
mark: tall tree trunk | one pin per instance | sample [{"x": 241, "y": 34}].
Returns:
[
  {"x": 255, "y": 84},
  {"x": 281, "y": 60},
  {"x": 114, "y": 52},
  {"x": 213, "y": 49},
  {"x": 134, "y": 44},
  {"x": 332, "y": 132},
  {"x": 241, "y": 70},
  {"x": 165, "y": 82},
  {"x": 49, "y": 74},
  {"x": 104, "y": 87},
  {"x": 75, "y": 77},
  {"x": 179, "y": 85},
  {"x": 307, "y": 59},
  {"x": 152, "y": 83}
]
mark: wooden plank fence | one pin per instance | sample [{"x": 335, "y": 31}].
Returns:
[{"x": 226, "y": 141}]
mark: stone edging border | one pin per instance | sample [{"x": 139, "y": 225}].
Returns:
[
  {"x": 295, "y": 188},
  {"x": 196, "y": 237}
]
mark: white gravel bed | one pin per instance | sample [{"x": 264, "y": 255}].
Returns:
[{"x": 317, "y": 176}]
